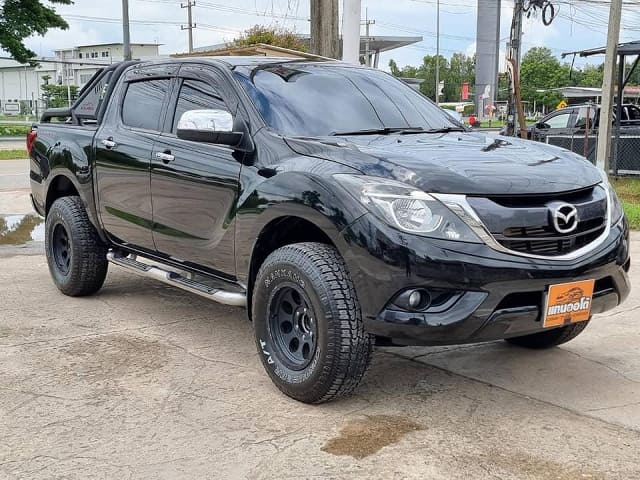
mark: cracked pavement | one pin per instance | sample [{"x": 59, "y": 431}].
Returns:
[{"x": 146, "y": 381}]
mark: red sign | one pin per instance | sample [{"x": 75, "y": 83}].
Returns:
[{"x": 465, "y": 91}]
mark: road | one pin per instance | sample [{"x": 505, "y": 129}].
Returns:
[{"x": 145, "y": 381}]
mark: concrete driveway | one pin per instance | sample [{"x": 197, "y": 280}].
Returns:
[{"x": 145, "y": 381}]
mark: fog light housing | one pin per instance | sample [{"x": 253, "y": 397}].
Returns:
[{"x": 414, "y": 299}]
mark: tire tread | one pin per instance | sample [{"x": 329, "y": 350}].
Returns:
[
  {"x": 342, "y": 374},
  {"x": 89, "y": 261}
]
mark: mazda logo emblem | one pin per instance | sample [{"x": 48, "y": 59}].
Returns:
[{"x": 564, "y": 217}]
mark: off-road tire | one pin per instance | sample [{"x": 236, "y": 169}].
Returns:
[
  {"x": 343, "y": 349},
  {"x": 86, "y": 253},
  {"x": 550, "y": 338}
]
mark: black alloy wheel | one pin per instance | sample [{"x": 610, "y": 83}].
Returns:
[
  {"x": 61, "y": 248},
  {"x": 292, "y": 324}
]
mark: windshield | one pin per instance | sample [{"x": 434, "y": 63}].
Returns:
[{"x": 320, "y": 100}]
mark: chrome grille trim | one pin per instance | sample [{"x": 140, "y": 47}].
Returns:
[{"x": 460, "y": 205}]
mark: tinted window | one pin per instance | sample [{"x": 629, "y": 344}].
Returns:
[
  {"x": 559, "y": 121},
  {"x": 317, "y": 100},
  {"x": 583, "y": 113},
  {"x": 195, "y": 95},
  {"x": 142, "y": 106},
  {"x": 634, "y": 112}
]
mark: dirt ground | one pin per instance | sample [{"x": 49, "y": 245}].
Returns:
[{"x": 145, "y": 381}]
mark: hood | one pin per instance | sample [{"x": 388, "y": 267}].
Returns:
[{"x": 458, "y": 162}]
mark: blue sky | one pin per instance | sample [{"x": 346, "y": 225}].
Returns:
[{"x": 579, "y": 24}]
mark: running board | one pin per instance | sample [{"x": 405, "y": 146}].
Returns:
[{"x": 175, "y": 279}]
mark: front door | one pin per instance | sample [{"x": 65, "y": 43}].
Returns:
[
  {"x": 195, "y": 185},
  {"x": 560, "y": 123},
  {"x": 123, "y": 156}
]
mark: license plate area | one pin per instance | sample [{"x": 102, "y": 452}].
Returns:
[{"x": 568, "y": 303}]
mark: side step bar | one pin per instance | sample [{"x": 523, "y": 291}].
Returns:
[{"x": 177, "y": 280}]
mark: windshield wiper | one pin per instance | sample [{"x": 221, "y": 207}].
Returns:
[
  {"x": 379, "y": 131},
  {"x": 397, "y": 130},
  {"x": 444, "y": 130}
]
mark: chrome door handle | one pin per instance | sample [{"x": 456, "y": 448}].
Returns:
[
  {"x": 165, "y": 157},
  {"x": 108, "y": 143}
]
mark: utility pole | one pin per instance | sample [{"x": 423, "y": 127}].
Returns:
[
  {"x": 611, "y": 56},
  {"x": 367, "y": 41},
  {"x": 514, "y": 108},
  {"x": 351, "y": 13},
  {"x": 324, "y": 28},
  {"x": 438, "y": 52},
  {"x": 126, "y": 40},
  {"x": 190, "y": 25}
]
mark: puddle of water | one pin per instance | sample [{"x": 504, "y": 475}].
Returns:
[
  {"x": 363, "y": 437},
  {"x": 21, "y": 229}
]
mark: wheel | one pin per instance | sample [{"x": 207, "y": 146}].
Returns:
[
  {"x": 550, "y": 338},
  {"x": 308, "y": 326},
  {"x": 76, "y": 256}
]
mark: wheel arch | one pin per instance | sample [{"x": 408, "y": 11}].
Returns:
[
  {"x": 279, "y": 232},
  {"x": 60, "y": 186},
  {"x": 64, "y": 184}
]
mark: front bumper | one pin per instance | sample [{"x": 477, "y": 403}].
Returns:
[{"x": 503, "y": 294}]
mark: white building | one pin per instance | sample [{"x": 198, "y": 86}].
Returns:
[
  {"x": 20, "y": 85},
  {"x": 105, "y": 53}
]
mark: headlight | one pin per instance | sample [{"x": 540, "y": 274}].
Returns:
[
  {"x": 615, "y": 207},
  {"x": 407, "y": 208}
]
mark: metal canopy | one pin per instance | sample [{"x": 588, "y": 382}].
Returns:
[
  {"x": 624, "y": 49},
  {"x": 378, "y": 43}
]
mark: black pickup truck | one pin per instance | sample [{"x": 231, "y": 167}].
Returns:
[{"x": 342, "y": 208}]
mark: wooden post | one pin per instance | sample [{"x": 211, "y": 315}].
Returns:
[
  {"x": 604, "y": 137},
  {"x": 324, "y": 28}
]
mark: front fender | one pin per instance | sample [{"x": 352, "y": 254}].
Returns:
[{"x": 314, "y": 198}]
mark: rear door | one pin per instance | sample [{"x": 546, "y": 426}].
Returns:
[
  {"x": 124, "y": 144},
  {"x": 195, "y": 185}
]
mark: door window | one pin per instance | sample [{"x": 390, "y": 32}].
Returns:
[
  {"x": 559, "y": 121},
  {"x": 196, "y": 95},
  {"x": 583, "y": 113},
  {"x": 142, "y": 107}
]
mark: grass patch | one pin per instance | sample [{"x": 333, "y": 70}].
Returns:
[
  {"x": 7, "y": 130},
  {"x": 633, "y": 214},
  {"x": 628, "y": 189},
  {"x": 13, "y": 154}
]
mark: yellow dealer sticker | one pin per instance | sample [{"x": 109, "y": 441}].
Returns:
[{"x": 568, "y": 303}]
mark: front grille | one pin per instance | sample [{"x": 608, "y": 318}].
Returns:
[
  {"x": 523, "y": 223},
  {"x": 546, "y": 241}
]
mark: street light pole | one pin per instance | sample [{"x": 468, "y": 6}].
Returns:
[
  {"x": 125, "y": 30},
  {"x": 438, "y": 52}
]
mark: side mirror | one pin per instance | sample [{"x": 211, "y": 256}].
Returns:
[
  {"x": 541, "y": 126},
  {"x": 209, "y": 126}
]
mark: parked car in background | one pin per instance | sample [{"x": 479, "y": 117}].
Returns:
[{"x": 573, "y": 120}]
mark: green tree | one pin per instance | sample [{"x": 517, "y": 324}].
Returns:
[
  {"x": 635, "y": 76},
  {"x": 20, "y": 19},
  {"x": 57, "y": 95},
  {"x": 280, "y": 37},
  {"x": 591, "y": 76},
  {"x": 460, "y": 69},
  {"x": 540, "y": 72}
]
